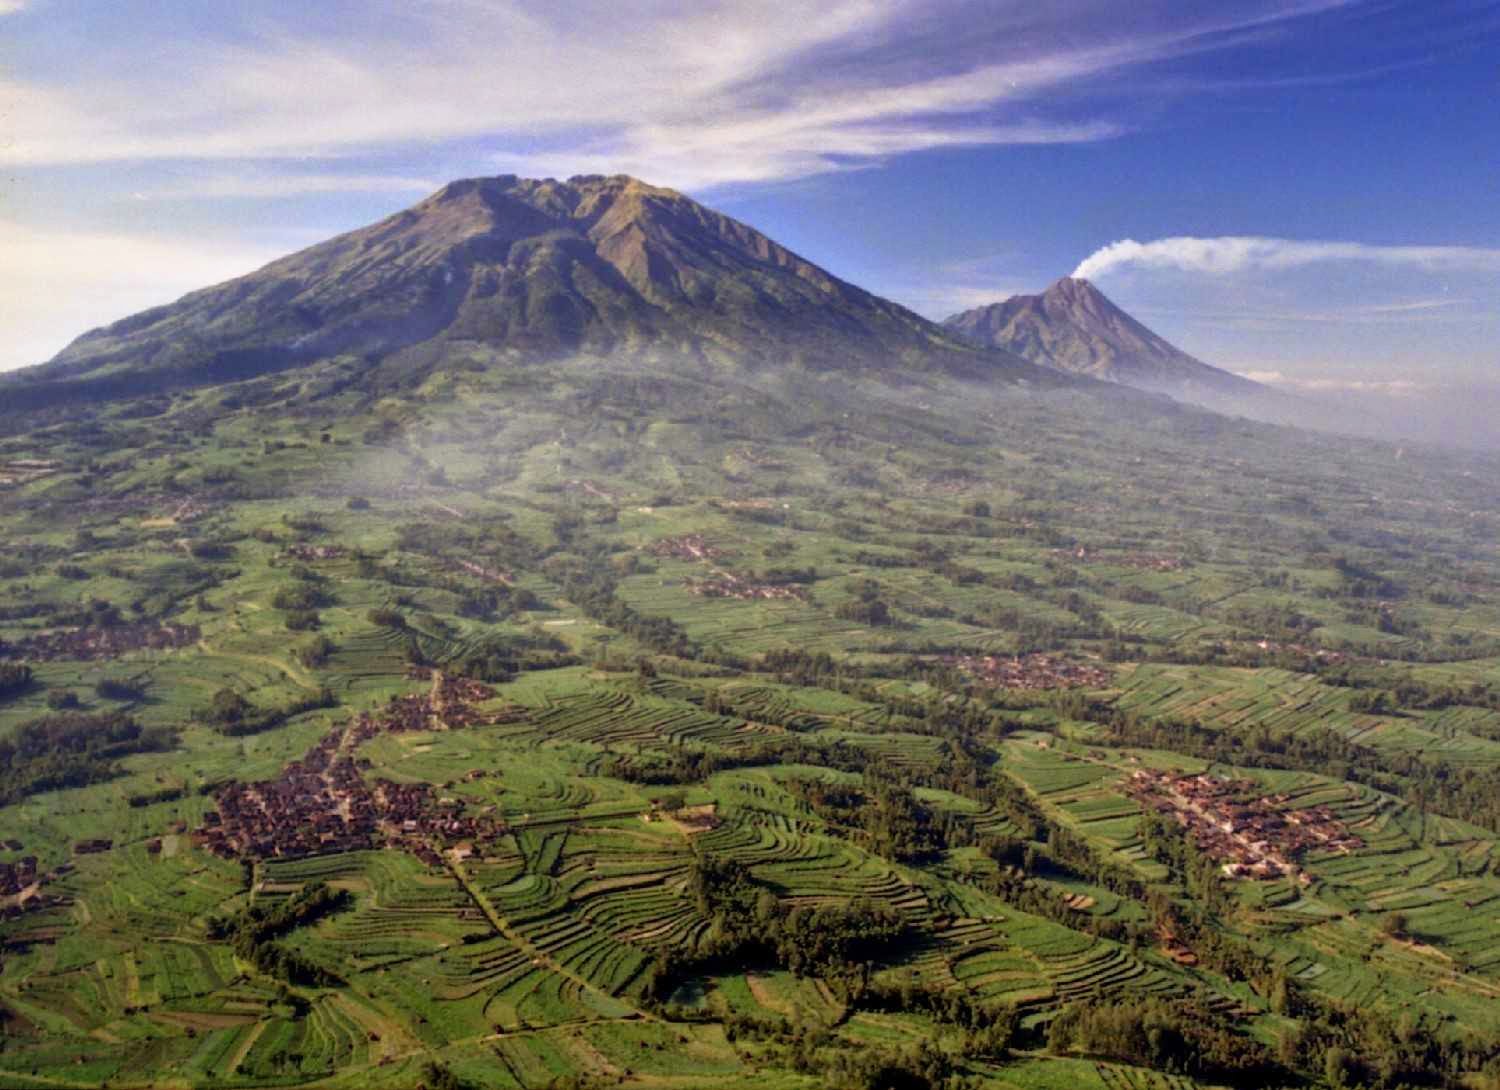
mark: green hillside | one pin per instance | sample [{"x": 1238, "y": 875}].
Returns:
[{"x": 454, "y": 714}]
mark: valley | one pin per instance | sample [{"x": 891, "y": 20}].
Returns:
[{"x": 680, "y": 717}]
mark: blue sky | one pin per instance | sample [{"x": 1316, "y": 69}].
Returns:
[{"x": 1301, "y": 189}]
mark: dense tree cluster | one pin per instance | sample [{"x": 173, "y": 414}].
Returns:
[
  {"x": 1404, "y": 691},
  {"x": 499, "y": 657},
  {"x": 867, "y": 607},
  {"x": 15, "y": 678},
  {"x": 439, "y": 1076},
  {"x": 316, "y": 652},
  {"x": 883, "y": 817},
  {"x": 120, "y": 689},
  {"x": 1180, "y": 1036},
  {"x": 302, "y": 596},
  {"x": 920, "y": 1066},
  {"x": 151, "y": 798},
  {"x": 72, "y": 749},
  {"x": 493, "y": 603},
  {"x": 232, "y": 715},
  {"x": 1348, "y": 1046},
  {"x": 386, "y": 617},
  {"x": 254, "y": 930},
  {"x": 684, "y": 766},
  {"x": 595, "y": 595},
  {"x": 749, "y": 925}
]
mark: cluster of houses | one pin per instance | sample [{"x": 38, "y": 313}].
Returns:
[
  {"x": 21, "y": 883},
  {"x": 101, "y": 642},
  {"x": 1332, "y": 657},
  {"x": 723, "y": 584},
  {"x": 1033, "y": 672},
  {"x": 1142, "y": 561},
  {"x": 686, "y": 547},
  {"x": 451, "y": 700},
  {"x": 1250, "y": 834},
  {"x": 492, "y": 575},
  {"x": 189, "y": 510},
  {"x": 322, "y": 804},
  {"x": 732, "y": 586},
  {"x": 17, "y": 877},
  {"x": 302, "y": 551}
]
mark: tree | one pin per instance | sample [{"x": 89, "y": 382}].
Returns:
[
  {"x": 62, "y": 699},
  {"x": 15, "y": 678},
  {"x": 671, "y": 802},
  {"x": 228, "y": 706}
]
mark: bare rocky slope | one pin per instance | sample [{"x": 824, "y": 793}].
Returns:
[
  {"x": 507, "y": 268},
  {"x": 1074, "y": 327}
]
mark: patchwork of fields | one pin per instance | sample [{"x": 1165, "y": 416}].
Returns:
[{"x": 868, "y": 802}]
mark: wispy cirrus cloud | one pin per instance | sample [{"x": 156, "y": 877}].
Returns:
[
  {"x": 1237, "y": 254},
  {"x": 691, "y": 94},
  {"x": 241, "y": 184}
]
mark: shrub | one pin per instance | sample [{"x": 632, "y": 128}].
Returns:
[
  {"x": 211, "y": 550},
  {"x": 15, "y": 678},
  {"x": 303, "y": 620},
  {"x": 62, "y": 699},
  {"x": 386, "y": 618},
  {"x": 303, "y": 596},
  {"x": 114, "y": 689},
  {"x": 316, "y": 651}
]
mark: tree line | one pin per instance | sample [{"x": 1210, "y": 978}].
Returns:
[
  {"x": 253, "y": 932},
  {"x": 749, "y": 925},
  {"x": 72, "y": 749}
]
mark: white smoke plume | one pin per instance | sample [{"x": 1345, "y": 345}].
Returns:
[{"x": 1238, "y": 253}]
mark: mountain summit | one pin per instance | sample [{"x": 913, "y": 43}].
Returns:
[
  {"x": 507, "y": 268},
  {"x": 1074, "y": 327}
]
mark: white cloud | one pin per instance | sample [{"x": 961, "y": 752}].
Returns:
[
  {"x": 220, "y": 186},
  {"x": 1391, "y": 387},
  {"x": 1235, "y": 254},
  {"x": 54, "y": 286},
  {"x": 687, "y": 94},
  {"x": 692, "y": 158},
  {"x": 10, "y": 7}
]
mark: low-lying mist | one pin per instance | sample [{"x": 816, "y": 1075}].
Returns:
[{"x": 1465, "y": 417}]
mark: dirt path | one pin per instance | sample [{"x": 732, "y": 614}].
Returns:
[
  {"x": 232, "y": 1064},
  {"x": 298, "y": 678},
  {"x": 132, "y": 981},
  {"x": 44, "y": 1080},
  {"x": 435, "y": 701}
]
